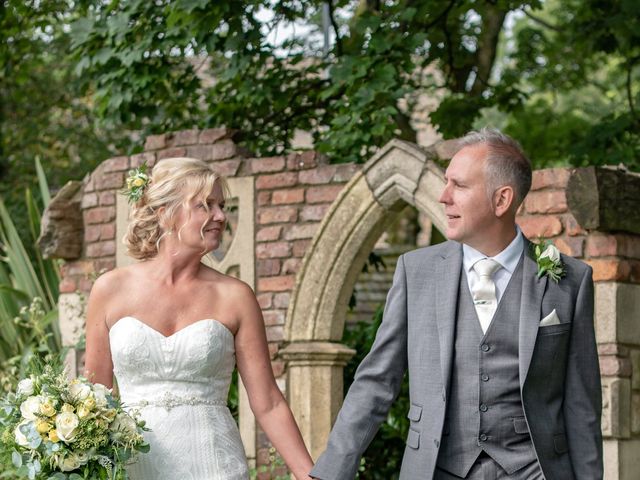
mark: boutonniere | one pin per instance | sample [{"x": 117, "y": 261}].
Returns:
[
  {"x": 137, "y": 182},
  {"x": 547, "y": 258}
]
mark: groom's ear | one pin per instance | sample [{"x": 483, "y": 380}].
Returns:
[{"x": 503, "y": 199}]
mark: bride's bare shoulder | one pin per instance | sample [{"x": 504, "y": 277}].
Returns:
[
  {"x": 115, "y": 280},
  {"x": 229, "y": 286}
]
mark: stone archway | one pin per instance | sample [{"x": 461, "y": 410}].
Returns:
[{"x": 401, "y": 173}]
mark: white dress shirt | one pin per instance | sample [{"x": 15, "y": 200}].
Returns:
[{"x": 508, "y": 258}]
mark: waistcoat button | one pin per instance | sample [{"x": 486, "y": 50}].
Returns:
[
  {"x": 485, "y": 347},
  {"x": 483, "y": 408}
]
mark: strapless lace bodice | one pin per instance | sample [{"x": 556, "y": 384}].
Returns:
[{"x": 180, "y": 385}]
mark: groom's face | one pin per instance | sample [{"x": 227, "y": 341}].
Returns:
[{"x": 467, "y": 206}]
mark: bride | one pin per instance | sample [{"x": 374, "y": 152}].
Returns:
[{"x": 171, "y": 330}]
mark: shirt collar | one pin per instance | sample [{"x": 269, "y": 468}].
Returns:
[{"x": 508, "y": 258}]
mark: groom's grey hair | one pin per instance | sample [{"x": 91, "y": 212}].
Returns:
[{"x": 506, "y": 164}]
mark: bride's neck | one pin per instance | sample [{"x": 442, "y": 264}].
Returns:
[{"x": 171, "y": 268}]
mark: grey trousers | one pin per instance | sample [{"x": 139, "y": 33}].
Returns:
[{"x": 485, "y": 468}]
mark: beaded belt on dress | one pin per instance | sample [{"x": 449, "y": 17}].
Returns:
[{"x": 168, "y": 400}]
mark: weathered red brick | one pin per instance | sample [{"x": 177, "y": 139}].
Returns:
[
  {"x": 184, "y": 137},
  {"x": 116, "y": 164},
  {"x": 634, "y": 276},
  {"x": 314, "y": 212},
  {"x": 79, "y": 267},
  {"x": 302, "y": 161},
  {"x": 108, "y": 231},
  {"x": 92, "y": 233},
  {"x": 212, "y": 135},
  {"x": 103, "y": 265},
  {"x": 319, "y": 175},
  {"x": 155, "y": 142},
  {"x": 107, "y": 198},
  {"x": 572, "y": 226},
  {"x": 278, "y": 368},
  {"x": 268, "y": 267},
  {"x": 99, "y": 215},
  {"x": 609, "y": 270},
  {"x": 269, "y": 215},
  {"x": 267, "y": 164},
  {"x": 346, "y": 171},
  {"x": 550, "y": 178},
  {"x": 223, "y": 149},
  {"x": 101, "y": 249},
  {"x": 85, "y": 284},
  {"x": 281, "y": 300},
  {"x": 203, "y": 152},
  {"x": 322, "y": 194},
  {"x": 109, "y": 181},
  {"x": 276, "y": 284},
  {"x": 264, "y": 198},
  {"x": 601, "y": 245},
  {"x": 147, "y": 157},
  {"x": 275, "y": 333},
  {"x": 300, "y": 247},
  {"x": 265, "y": 300},
  {"x": 297, "y": 232},
  {"x": 89, "y": 200},
  {"x": 546, "y": 201},
  {"x": 535, "y": 226},
  {"x": 273, "y": 350},
  {"x": 227, "y": 168},
  {"x": 171, "y": 153},
  {"x": 274, "y": 317},
  {"x": 572, "y": 246},
  {"x": 276, "y": 180},
  {"x": 291, "y": 265},
  {"x": 273, "y": 250},
  {"x": 268, "y": 234},
  {"x": 287, "y": 196},
  {"x": 67, "y": 285}
]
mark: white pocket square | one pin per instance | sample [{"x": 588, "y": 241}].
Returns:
[{"x": 551, "y": 319}]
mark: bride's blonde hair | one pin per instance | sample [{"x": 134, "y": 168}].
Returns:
[{"x": 174, "y": 183}]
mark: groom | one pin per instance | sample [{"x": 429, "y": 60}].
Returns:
[{"x": 503, "y": 367}]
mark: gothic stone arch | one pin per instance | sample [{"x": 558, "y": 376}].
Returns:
[{"x": 400, "y": 173}]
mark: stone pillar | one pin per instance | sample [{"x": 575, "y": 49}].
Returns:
[
  {"x": 314, "y": 388},
  {"x": 618, "y": 335}
]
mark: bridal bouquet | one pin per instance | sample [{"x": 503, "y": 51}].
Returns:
[{"x": 54, "y": 428}]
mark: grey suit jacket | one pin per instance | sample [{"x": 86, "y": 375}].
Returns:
[{"x": 559, "y": 372}]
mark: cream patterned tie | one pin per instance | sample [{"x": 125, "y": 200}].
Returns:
[{"x": 484, "y": 291}]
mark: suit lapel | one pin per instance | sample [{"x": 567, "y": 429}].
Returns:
[
  {"x": 530, "y": 307},
  {"x": 448, "y": 281}
]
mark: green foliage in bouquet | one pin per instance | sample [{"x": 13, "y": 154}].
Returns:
[
  {"x": 382, "y": 460},
  {"x": 56, "y": 428},
  {"x": 28, "y": 292}
]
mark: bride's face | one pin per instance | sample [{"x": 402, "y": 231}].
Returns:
[{"x": 201, "y": 224}]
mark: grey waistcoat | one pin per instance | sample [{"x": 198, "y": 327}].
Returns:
[{"x": 484, "y": 410}]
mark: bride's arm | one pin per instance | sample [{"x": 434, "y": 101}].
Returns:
[
  {"x": 98, "y": 367},
  {"x": 266, "y": 400}
]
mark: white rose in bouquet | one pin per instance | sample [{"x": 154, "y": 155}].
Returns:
[
  {"x": 30, "y": 407},
  {"x": 100, "y": 393},
  {"x": 25, "y": 387},
  {"x": 79, "y": 391},
  {"x": 69, "y": 462},
  {"x": 123, "y": 427},
  {"x": 66, "y": 424}
]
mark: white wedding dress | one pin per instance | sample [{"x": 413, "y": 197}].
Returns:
[{"x": 180, "y": 385}]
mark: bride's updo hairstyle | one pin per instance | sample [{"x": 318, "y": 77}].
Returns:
[{"x": 174, "y": 183}]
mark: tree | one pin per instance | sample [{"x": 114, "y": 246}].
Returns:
[{"x": 41, "y": 111}]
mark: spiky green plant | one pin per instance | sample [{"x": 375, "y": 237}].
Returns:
[{"x": 28, "y": 290}]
